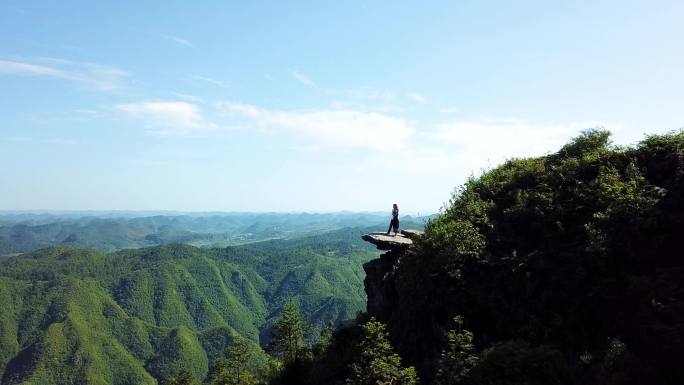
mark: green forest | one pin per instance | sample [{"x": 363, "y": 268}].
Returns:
[
  {"x": 558, "y": 269},
  {"x": 135, "y": 316}
]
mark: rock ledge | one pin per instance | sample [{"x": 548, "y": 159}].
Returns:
[{"x": 392, "y": 242}]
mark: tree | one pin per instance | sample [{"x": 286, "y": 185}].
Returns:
[
  {"x": 287, "y": 341},
  {"x": 459, "y": 357},
  {"x": 234, "y": 367},
  {"x": 377, "y": 363},
  {"x": 325, "y": 339},
  {"x": 182, "y": 378}
]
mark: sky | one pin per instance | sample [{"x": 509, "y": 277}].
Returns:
[{"x": 315, "y": 106}]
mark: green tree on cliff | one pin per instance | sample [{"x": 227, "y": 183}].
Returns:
[
  {"x": 458, "y": 358},
  {"x": 377, "y": 362},
  {"x": 288, "y": 342}
]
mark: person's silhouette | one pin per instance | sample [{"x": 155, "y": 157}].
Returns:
[{"x": 394, "y": 223}]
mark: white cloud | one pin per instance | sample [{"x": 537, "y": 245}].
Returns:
[
  {"x": 304, "y": 79},
  {"x": 370, "y": 94},
  {"x": 178, "y": 40},
  {"x": 86, "y": 111},
  {"x": 169, "y": 117},
  {"x": 101, "y": 77},
  {"x": 449, "y": 110},
  {"x": 486, "y": 142},
  {"x": 337, "y": 105},
  {"x": 329, "y": 128},
  {"x": 418, "y": 98}
]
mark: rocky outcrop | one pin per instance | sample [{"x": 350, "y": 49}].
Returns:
[
  {"x": 411, "y": 233},
  {"x": 379, "y": 281},
  {"x": 388, "y": 242}
]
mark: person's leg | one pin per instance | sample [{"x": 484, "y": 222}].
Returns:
[
  {"x": 396, "y": 227},
  {"x": 390, "y": 227}
]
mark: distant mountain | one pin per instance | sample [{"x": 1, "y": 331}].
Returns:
[
  {"x": 131, "y": 317},
  {"x": 25, "y": 232}
]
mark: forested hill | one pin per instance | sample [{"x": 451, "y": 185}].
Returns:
[
  {"x": 112, "y": 231},
  {"x": 561, "y": 269},
  {"x": 134, "y": 317}
]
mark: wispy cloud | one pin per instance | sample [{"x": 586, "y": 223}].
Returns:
[
  {"x": 86, "y": 111},
  {"x": 57, "y": 141},
  {"x": 206, "y": 79},
  {"x": 361, "y": 98},
  {"x": 418, "y": 98},
  {"x": 169, "y": 117},
  {"x": 328, "y": 128},
  {"x": 101, "y": 77},
  {"x": 304, "y": 79},
  {"x": 449, "y": 110},
  {"x": 178, "y": 40},
  {"x": 188, "y": 97},
  {"x": 370, "y": 94},
  {"x": 8, "y": 67}
]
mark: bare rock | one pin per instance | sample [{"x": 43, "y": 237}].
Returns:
[
  {"x": 388, "y": 242},
  {"x": 412, "y": 233}
]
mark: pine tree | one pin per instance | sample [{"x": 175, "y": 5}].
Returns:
[
  {"x": 377, "y": 364},
  {"x": 233, "y": 369},
  {"x": 458, "y": 358},
  {"x": 288, "y": 342},
  {"x": 182, "y": 378},
  {"x": 218, "y": 372}
]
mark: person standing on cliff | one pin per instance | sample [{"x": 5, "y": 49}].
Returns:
[{"x": 394, "y": 223}]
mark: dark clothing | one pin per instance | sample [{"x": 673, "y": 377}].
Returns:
[{"x": 394, "y": 223}]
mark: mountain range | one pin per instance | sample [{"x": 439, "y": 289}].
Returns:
[{"x": 72, "y": 315}]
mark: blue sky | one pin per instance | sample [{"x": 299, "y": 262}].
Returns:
[{"x": 314, "y": 106}]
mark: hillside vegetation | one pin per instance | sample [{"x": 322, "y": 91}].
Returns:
[
  {"x": 72, "y": 316},
  {"x": 561, "y": 269},
  {"x": 107, "y": 232}
]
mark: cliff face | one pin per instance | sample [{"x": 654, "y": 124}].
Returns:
[
  {"x": 379, "y": 285},
  {"x": 379, "y": 281},
  {"x": 384, "y": 303}
]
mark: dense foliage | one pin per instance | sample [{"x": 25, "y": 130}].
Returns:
[
  {"x": 357, "y": 353},
  {"x": 376, "y": 362},
  {"x": 560, "y": 269},
  {"x": 551, "y": 260},
  {"x": 141, "y": 316}
]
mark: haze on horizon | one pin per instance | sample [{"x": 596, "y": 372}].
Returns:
[{"x": 314, "y": 107}]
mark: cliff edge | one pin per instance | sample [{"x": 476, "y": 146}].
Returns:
[{"x": 379, "y": 281}]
